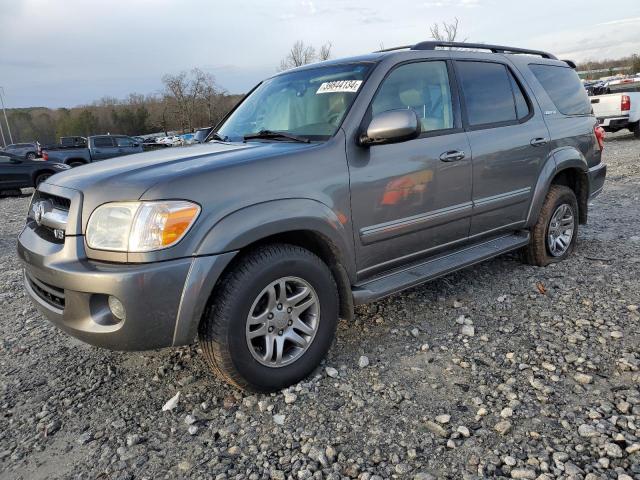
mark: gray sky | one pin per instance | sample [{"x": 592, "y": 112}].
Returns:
[{"x": 71, "y": 52}]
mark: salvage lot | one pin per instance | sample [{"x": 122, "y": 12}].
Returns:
[{"x": 501, "y": 369}]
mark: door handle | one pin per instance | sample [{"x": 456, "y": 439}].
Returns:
[
  {"x": 538, "y": 142},
  {"x": 452, "y": 156}
]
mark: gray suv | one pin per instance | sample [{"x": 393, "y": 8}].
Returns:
[{"x": 328, "y": 186}]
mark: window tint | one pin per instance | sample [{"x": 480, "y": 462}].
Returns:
[
  {"x": 124, "y": 142},
  {"x": 487, "y": 92},
  {"x": 522, "y": 107},
  {"x": 564, "y": 88},
  {"x": 102, "y": 142},
  {"x": 423, "y": 87}
]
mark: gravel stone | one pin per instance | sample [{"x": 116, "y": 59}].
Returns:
[
  {"x": 363, "y": 361},
  {"x": 72, "y": 411}
]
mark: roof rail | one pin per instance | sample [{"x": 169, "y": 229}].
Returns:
[{"x": 433, "y": 44}]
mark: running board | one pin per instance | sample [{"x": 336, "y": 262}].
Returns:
[{"x": 437, "y": 267}]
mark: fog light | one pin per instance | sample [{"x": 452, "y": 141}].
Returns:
[{"x": 116, "y": 307}]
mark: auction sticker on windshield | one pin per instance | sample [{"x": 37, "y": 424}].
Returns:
[{"x": 339, "y": 86}]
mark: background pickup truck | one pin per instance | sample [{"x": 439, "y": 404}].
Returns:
[
  {"x": 99, "y": 147},
  {"x": 616, "y": 111}
]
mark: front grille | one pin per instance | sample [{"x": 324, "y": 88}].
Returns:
[
  {"x": 54, "y": 296},
  {"x": 58, "y": 204}
]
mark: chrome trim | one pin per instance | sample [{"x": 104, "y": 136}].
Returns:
[{"x": 394, "y": 228}]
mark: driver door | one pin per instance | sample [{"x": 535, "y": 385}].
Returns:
[{"x": 409, "y": 199}]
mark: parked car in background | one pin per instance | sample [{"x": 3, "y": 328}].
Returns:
[
  {"x": 596, "y": 87},
  {"x": 330, "y": 185},
  {"x": 99, "y": 147},
  {"x": 65, "y": 142},
  {"x": 18, "y": 172},
  {"x": 28, "y": 151},
  {"x": 618, "y": 111}
]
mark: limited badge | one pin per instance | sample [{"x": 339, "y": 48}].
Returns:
[{"x": 339, "y": 86}]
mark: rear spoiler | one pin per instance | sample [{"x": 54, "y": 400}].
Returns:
[{"x": 571, "y": 63}]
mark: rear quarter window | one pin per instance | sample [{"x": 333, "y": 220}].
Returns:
[{"x": 564, "y": 88}]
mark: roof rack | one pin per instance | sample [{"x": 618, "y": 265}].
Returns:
[{"x": 432, "y": 45}]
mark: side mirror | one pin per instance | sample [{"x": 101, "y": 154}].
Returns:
[
  {"x": 391, "y": 127},
  {"x": 136, "y": 144}
]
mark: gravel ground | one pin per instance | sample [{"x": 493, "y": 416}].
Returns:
[{"x": 502, "y": 370}]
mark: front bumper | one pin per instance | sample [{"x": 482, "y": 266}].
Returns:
[
  {"x": 597, "y": 176},
  {"x": 163, "y": 300}
]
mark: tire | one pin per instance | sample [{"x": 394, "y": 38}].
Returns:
[
  {"x": 539, "y": 252},
  {"x": 41, "y": 178},
  {"x": 31, "y": 156},
  {"x": 225, "y": 329},
  {"x": 636, "y": 130},
  {"x": 76, "y": 164}
]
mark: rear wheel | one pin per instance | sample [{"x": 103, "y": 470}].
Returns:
[
  {"x": 76, "y": 164},
  {"x": 636, "y": 130},
  {"x": 554, "y": 236},
  {"x": 272, "y": 318}
]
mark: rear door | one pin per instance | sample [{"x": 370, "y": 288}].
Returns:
[
  {"x": 103, "y": 148},
  {"x": 127, "y": 146},
  {"x": 509, "y": 143}
]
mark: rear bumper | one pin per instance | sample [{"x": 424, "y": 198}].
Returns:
[
  {"x": 597, "y": 176},
  {"x": 614, "y": 122},
  {"x": 163, "y": 301}
]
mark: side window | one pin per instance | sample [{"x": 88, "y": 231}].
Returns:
[
  {"x": 4, "y": 159},
  {"x": 522, "y": 107},
  {"x": 488, "y": 93},
  {"x": 103, "y": 142},
  {"x": 422, "y": 87},
  {"x": 124, "y": 142},
  {"x": 564, "y": 88}
]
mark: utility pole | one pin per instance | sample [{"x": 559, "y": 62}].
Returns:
[
  {"x": 4, "y": 110},
  {"x": 4, "y": 142}
]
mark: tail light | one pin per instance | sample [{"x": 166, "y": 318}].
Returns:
[
  {"x": 45, "y": 156},
  {"x": 625, "y": 103},
  {"x": 599, "y": 133}
]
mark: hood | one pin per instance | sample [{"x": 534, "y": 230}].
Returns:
[{"x": 128, "y": 177}]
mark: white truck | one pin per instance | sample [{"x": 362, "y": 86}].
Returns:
[{"x": 616, "y": 111}]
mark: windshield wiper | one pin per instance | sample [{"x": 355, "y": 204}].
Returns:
[{"x": 276, "y": 134}]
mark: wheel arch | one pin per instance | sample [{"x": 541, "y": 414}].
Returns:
[
  {"x": 69, "y": 161},
  {"x": 566, "y": 166},
  {"x": 314, "y": 226}
]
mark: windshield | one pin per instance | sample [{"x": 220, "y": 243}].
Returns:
[{"x": 310, "y": 103}]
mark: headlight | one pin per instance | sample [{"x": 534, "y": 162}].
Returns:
[{"x": 140, "y": 226}]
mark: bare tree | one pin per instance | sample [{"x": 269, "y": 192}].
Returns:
[
  {"x": 449, "y": 31},
  {"x": 302, "y": 54},
  {"x": 325, "y": 51},
  {"x": 184, "y": 90},
  {"x": 211, "y": 95}
]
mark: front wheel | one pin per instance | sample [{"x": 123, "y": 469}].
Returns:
[
  {"x": 41, "y": 178},
  {"x": 554, "y": 236},
  {"x": 272, "y": 318}
]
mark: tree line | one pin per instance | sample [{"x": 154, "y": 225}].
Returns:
[{"x": 189, "y": 100}]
